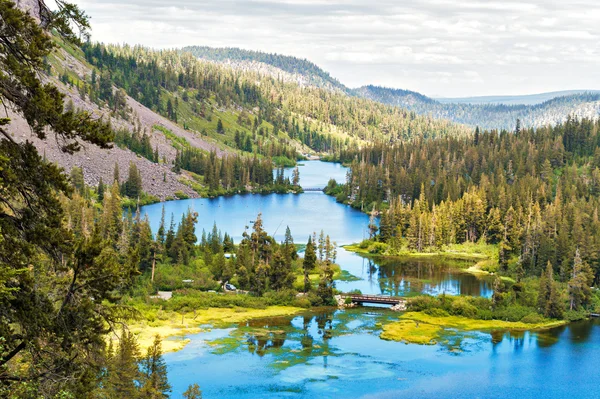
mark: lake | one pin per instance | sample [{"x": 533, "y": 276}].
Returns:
[{"x": 339, "y": 353}]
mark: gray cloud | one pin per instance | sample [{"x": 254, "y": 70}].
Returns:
[{"x": 438, "y": 47}]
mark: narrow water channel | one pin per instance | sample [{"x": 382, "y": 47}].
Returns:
[{"x": 337, "y": 354}]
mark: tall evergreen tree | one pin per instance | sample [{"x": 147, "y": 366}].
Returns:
[
  {"x": 309, "y": 263},
  {"x": 100, "y": 191},
  {"x": 154, "y": 369},
  {"x": 579, "y": 284}
]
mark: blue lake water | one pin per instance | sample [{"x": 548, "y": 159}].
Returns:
[
  {"x": 312, "y": 212},
  {"x": 339, "y": 354}
]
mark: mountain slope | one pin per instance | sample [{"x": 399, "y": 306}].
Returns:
[
  {"x": 491, "y": 112},
  {"x": 195, "y": 128},
  {"x": 158, "y": 179},
  {"x": 289, "y": 68},
  {"x": 491, "y": 116},
  {"x": 528, "y": 99}
]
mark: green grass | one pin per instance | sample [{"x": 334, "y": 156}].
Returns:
[
  {"x": 424, "y": 329},
  {"x": 176, "y": 141}
]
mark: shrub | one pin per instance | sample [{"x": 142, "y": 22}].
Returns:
[
  {"x": 181, "y": 195},
  {"x": 302, "y": 302},
  {"x": 280, "y": 298},
  {"x": 421, "y": 303},
  {"x": 513, "y": 313},
  {"x": 532, "y": 318},
  {"x": 436, "y": 312},
  {"x": 461, "y": 307},
  {"x": 364, "y": 244},
  {"x": 377, "y": 248},
  {"x": 484, "y": 314},
  {"x": 575, "y": 315}
]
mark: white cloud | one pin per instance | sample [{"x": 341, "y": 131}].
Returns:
[{"x": 444, "y": 47}]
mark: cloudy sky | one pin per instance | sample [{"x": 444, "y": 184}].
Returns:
[{"x": 446, "y": 48}]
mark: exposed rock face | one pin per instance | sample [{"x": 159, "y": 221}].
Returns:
[
  {"x": 341, "y": 302},
  {"x": 30, "y": 6},
  {"x": 158, "y": 179}
]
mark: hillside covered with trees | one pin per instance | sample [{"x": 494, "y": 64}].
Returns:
[
  {"x": 491, "y": 116},
  {"x": 531, "y": 195},
  {"x": 496, "y": 115}
]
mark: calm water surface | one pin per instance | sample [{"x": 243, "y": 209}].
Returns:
[{"x": 339, "y": 354}]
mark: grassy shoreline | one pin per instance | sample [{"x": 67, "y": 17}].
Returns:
[
  {"x": 175, "y": 324},
  {"x": 423, "y": 329},
  {"x": 483, "y": 256}
]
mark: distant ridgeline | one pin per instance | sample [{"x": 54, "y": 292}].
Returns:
[
  {"x": 533, "y": 111},
  {"x": 491, "y": 116},
  {"x": 305, "y": 71}
]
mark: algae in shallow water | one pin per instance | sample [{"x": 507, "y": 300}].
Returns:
[
  {"x": 421, "y": 328},
  {"x": 413, "y": 332}
]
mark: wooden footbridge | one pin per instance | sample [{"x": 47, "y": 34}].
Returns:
[
  {"x": 374, "y": 299},
  {"x": 312, "y": 189}
]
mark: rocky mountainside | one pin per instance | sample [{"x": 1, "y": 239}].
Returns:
[{"x": 158, "y": 179}]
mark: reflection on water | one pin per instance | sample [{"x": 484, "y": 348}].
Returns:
[
  {"x": 311, "y": 212},
  {"x": 409, "y": 276},
  {"x": 404, "y": 277},
  {"x": 339, "y": 354}
]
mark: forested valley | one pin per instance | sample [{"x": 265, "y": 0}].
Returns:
[
  {"x": 89, "y": 292},
  {"x": 531, "y": 195}
]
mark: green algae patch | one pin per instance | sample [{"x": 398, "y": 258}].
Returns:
[
  {"x": 467, "y": 324},
  {"x": 423, "y": 329},
  {"x": 173, "y": 324},
  {"x": 412, "y": 332}
]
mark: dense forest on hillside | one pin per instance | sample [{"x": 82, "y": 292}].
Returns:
[
  {"x": 319, "y": 118},
  {"x": 552, "y": 110},
  {"x": 533, "y": 193},
  {"x": 72, "y": 267},
  {"x": 490, "y": 116},
  {"x": 313, "y": 75}
]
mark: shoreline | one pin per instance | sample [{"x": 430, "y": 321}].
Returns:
[
  {"x": 423, "y": 329},
  {"x": 170, "y": 325},
  {"x": 479, "y": 259}
]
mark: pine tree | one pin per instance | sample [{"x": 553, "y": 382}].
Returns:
[
  {"x": 193, "y": 392},
  {"x": 124, "y": 375},
  {"x": 321, "y": 246},
  {"x": 579, "y": 284},
  {"x": 289, "y": 244},
  {"x": 133, "y": 185},
  {"x": 170, "y": 237},
  {"x": 326, "y": 284},
  {"x": 309, "y": 263},
  {"x": 100, "y": 191},
  {"x": 154, "y": 369},
  {"x": 282, "y": 276},
  {"x": 296, "y": 177},
  {"x": 116, "y": 177},
  {"x": 220, "y": 128},
  {"x": 77, "y": 180},
  {"x": 161, "y": 233},
  {"x": 545, "y": 290}
]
